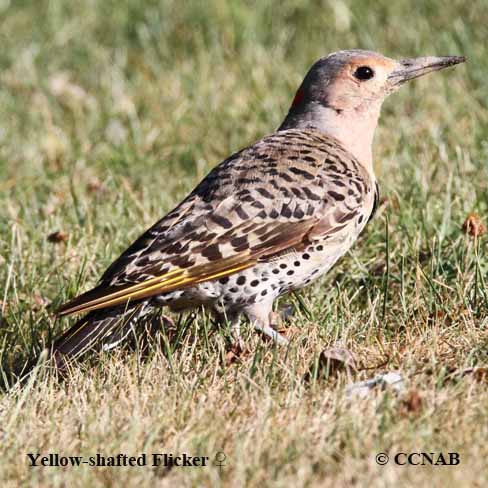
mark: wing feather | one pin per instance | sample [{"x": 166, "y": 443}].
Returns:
[
  {"x": 283, "y": 237},
  {"x": 261, "y": 202}
]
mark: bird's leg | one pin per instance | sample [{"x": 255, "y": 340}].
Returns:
[
  {"x": 234, "y": 321},
  {"x": 231, "y": 319},
  {"x": 259, "y": 315},
  {"x": 277, "y": 320},
  {"x": 235, "y": 332}
]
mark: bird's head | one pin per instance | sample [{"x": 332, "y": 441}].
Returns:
[
  {"x": 355, "y": 80},
  {"x": 342, "y": 94}
]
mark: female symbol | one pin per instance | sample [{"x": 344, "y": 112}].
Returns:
[{"x": 219, "y": 460}]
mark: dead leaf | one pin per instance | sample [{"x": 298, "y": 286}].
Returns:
[
  {"x": 57, "y": 237},
  {"x": 413, "y": 402},
  {"x": 95, "y": 186},
  {"x": 479, "y": 373},
  {"x": 474, "y": 226},
  {"x": 378, "y": 268},
  {"x": 234, "y": 354},
  {"x": 439, "y": 317},
  {"x": 331, "y": 361},
  {"x": 337, "y": 358}
]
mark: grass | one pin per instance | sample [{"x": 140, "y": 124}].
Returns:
[{"x": 110, "y": 112}]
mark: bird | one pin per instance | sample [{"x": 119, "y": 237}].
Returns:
[{"x": 268, "y": 220}]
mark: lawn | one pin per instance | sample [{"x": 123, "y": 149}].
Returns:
[{"x": 110, "y": 113}]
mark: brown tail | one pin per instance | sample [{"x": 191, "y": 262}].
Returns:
[{"x": 89, "y": 333}]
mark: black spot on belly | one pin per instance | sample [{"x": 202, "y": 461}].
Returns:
[{"x": 241, "y": 280}]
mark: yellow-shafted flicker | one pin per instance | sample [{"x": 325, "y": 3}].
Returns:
[{"x": 269, "y": 219}]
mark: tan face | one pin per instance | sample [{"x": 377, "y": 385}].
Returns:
[
  {"x": 356, "y": 80},
  {"x": 359, "y": 80}
]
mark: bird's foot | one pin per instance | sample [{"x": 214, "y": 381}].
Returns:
[
  {"x": 277, "y": 320},
  {"x": 268, "y": 331}
]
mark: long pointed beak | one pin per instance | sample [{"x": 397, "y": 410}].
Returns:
[{"x": 409, "y": 69}]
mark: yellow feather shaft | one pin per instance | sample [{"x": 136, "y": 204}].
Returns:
[
  {"x": 145, "y": 289},
  {"x": 123, "y": 293}
]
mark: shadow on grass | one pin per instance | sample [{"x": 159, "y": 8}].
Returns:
[{"x": 157, "y": 333}]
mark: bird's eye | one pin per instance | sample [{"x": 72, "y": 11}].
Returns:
[{"x": 364, "y": 73}]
